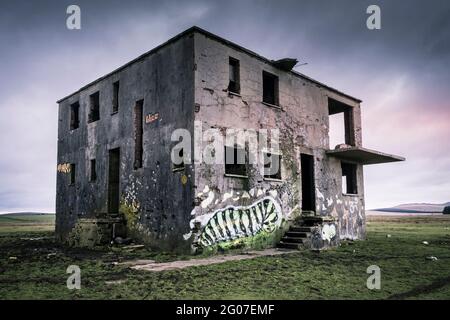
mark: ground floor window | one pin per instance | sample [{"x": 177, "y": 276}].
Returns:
[{"x": 349, "y": 179}]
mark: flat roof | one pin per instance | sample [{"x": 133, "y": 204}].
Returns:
[
  {"x": 363, "y": 155},
  {"x": 217, "y": 38}
]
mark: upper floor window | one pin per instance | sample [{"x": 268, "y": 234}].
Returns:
[
  {"x": 115, "y": 106},
  {"x": 94, "y": 107},
  {"x": 234, "y": 83},
  {"x": 270, "y": 88},
  {"x": 74, "y": 115},
  {"x": 341, "y": 123}
]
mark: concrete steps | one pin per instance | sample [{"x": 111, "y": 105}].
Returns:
[{"x": 297, "y": 237}]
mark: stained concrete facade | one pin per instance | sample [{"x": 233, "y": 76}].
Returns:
[{"x": 184, "y": 83}]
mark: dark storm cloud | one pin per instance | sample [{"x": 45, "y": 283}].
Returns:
[{"x": 400, "y": 72}]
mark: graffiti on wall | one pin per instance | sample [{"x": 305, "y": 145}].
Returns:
[
  {"x": 348, "y": 210},
  {"x": 324, "y": 236},
  {"x": 239, "y": 222},
  {"x": 149, "y": 118},
  {"x": 63, "y": 167},
  {"x": 328, "y": 232}
]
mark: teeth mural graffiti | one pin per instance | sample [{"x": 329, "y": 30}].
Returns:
[{"x": 238, "y": 222}]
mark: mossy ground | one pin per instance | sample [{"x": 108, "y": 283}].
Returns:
[{"x": 36, "y": 269}]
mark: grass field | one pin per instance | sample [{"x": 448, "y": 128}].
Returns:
[
  {"x": 26, "y": 223},
  {"x": 33, "y": 266}
]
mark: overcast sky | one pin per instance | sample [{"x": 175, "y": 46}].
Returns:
[{"x": 401, "y": 73}]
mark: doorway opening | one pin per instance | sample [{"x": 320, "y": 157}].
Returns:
[
  {"x": 308, "y": 187},
  {"x": 114, "y": 181}
]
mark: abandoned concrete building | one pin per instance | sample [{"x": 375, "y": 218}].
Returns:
[{"x": 116, "y": 178}]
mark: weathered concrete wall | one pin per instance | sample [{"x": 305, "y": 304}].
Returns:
[
  {"x": 303, "y": 122},
  {"x": 155, "y": 200}
]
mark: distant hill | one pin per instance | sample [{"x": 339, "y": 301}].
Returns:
[
  {"x": 416, "y": 208},
  {"x": 26, "y": 214}
]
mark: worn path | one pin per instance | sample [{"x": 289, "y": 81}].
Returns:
[{"x": 149, "y": 265}]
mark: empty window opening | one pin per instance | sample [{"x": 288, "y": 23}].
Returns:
[
  {"x": 138, "y": 134},
  {"x": 94, "y": 107},
  {"x": 72, "y": 174},
  {"x": 336, "y": 129},
  {"x": 272, "y": 166},
  {"x": 341, "y": 126},
  {"x": 74, "y": 115},
  {"x": 115, "y": 106},
  {"x": 235, "y": 161},
  {"x": 93, "y": 175},
  {"x": 270, "y": 88},
  {"x": 179, "y": 166},
  {"x": 349, "y": 179},
  {"x": 234, "y": 83},
  {"x": 308, "y": 184}
]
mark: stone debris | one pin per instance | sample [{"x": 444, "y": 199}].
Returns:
[{"x": 425, "y": 243}]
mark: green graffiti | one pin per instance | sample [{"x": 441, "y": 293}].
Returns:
[{"x": 233, "y": 223}]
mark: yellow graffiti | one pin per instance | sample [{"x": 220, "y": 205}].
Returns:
[{"x": 64, "y": 167}]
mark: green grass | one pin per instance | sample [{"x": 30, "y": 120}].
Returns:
[{"x": 36, "y": 269}]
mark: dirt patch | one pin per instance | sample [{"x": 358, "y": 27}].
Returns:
[{"x": 181, "y": 264}]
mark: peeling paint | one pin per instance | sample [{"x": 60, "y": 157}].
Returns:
[{"x": 205, "y": 203}]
